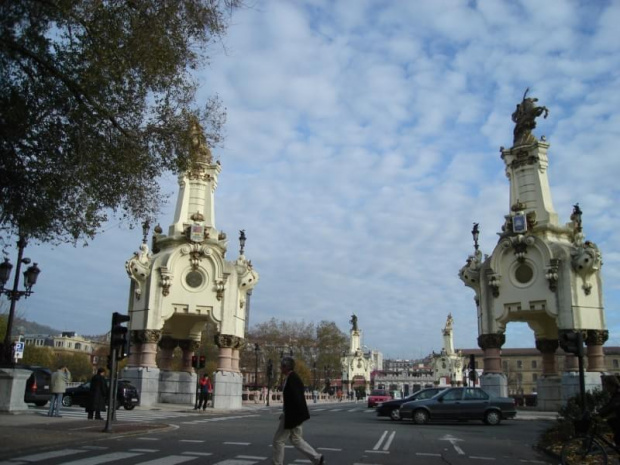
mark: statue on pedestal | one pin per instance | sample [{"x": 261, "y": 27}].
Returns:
[
  {"x": 524, "y": 118},
  {"x": 353, "y": 322}
]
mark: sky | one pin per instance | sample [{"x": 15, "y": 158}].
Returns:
[{"x": 362, "y": 143}]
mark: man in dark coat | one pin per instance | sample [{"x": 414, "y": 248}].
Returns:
[
  {"x": 98, "y": 395},
  {"x": 295, "y": 413}
]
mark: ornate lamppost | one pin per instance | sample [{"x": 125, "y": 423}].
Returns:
[
  {"x": 30, "y": 279},
  {"x": 475, "y": 232}
]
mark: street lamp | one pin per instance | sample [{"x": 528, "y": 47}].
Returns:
[
  {"x": 30, "y": 279},
  {"x": 475, "y": 234},
  {"x": 256, "y": 351},
  {"x": 242, "y": 240}
]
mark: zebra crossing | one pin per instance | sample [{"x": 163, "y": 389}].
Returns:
[
  {"x": 91, "y": 455},
  {"x": 140, "y": 416}
]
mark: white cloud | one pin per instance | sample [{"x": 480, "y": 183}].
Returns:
[{"x": 363, "y": 142}]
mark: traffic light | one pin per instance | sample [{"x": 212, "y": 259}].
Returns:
[
  {"x": 194, "y": 361},
  {"x": 202, "y": 361},
  {"x": 572, "y": 342},
  {"x": 118, "y": 336}
]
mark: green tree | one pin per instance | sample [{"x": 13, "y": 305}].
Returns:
[
  {"x": 39, "y": 356},
  {"x": 96, "y": 101}
]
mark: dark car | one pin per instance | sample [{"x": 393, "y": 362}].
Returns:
[
  {"x": 38, "y": 386},
  {"x": 463, "y": 403},
  {"x": 391, "y": 408},
  {"x": 126, "y": 395}
]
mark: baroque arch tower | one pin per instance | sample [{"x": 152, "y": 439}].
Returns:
[
  {"x": 540, "y": 272},
  {"x": 184, "y": 283}
]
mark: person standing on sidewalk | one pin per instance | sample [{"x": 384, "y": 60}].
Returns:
[
  {"x": 205, "y": 389},
  {"x": 97, "y": 396},
  {"x": 60, "y": 378},
  {"x": 295, "y": 413}
]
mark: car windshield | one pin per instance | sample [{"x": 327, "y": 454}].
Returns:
[{"x": 378, "y": 393}]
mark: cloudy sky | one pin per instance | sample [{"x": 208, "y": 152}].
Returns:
[{"x": 363, "y": 142}]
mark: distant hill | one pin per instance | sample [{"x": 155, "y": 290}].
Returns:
[{"x": 23, "y": 326}]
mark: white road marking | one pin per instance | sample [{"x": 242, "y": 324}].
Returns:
[
  {"x": 237, "y": 443},
  {"x": 452, "y": 440},
  {"x": 378, "y": 444},
  {"x": 170, "y": 460},
  {"x": 105, "y": 458},
  {"x": 49, "y": 455},
  {"x": 200, "y": 454}
]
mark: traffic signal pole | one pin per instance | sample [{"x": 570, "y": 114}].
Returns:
[{"x": 111, "y": 393}]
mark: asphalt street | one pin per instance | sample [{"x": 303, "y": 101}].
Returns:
[{"x": 346, "y": 433}]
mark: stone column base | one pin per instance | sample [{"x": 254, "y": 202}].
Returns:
[
  {"x": 146, "y": 380},
  {"x": 12, "y": 389},
  {"x": 177, "y": 387},
  {"x": 570, "y": 383},
  {"x": 227, "y": 390},
  {"x": 549, "y": 393},
  {"x": 495, "y": 384}
]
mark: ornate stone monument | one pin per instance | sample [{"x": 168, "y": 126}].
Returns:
[
  {"x": 356, "y": 367},
  {"x": 448, "y": 365},
  {"x": 184, "y": 283},
  {"x": 541, "y": 272}
]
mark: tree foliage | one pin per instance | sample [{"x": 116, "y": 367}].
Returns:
[
  {"x": 317, "y": 349},
  {"x": 96, "y": 100}
]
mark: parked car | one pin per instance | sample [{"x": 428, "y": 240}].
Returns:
[
  {"x": 378, "y": 395},
  {"x": 126, "y": 395},
  {"x": 38, "y": 386},
  {"x": 462, "y": 403},
  {"x": 391, "y": 408}
]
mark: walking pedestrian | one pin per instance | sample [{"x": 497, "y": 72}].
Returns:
[
  {"x": 294, "y": 414},
  {"x": 97, "y": 395},
  {"x": 205, "y": 389},
  {"x": 60, "y": 378}
]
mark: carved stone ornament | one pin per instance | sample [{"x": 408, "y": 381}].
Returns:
[
  {"x": 596, "y": 337},
  {"x": 491, "y": 341},
  {"x": 169, "y": 343},
  {"x": 196, "y": 232},
  {"x": 165, "y": 280},
  {"x": 552, "y": 274},
  {"x": 220, "y": 287},
  {"x": 145, "y": 336},
  {"x": 470, "y": 272},
  {"x": 138, "y": 269},
  {"x": 547, "y": 346},
  {"x": 519, "y": 243},
  {"x": 196, "y": 252},
  {"x": 228, "y": 341},
  {"x": 189, "y": 345},
  {"x": 494, "y": 283},
  {"x": 586, "y": 260}
]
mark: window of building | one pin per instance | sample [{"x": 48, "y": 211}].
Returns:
[
  {"x": 534, "y": 377},
  {"x": 519, "y": 364},
  {"x": 505, "y": 364},
  {"x": 534, "y": 364},
  {"x": 615, "y": 363}
]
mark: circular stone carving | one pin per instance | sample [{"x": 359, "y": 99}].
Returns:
[
  {"x": 524, "y": 273},
  {"x": 194, "y": 279}
]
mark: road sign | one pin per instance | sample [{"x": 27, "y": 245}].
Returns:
[{"x": 19, "y": 350}]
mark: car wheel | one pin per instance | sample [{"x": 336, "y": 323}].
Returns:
[
  {"x": 420, "y": 417},
  {"x": 67, "y": 401},
  {"x": 395, "y": 414},
  {"x": 129, "y": 406},
  {"x": 492, "y": 417}
]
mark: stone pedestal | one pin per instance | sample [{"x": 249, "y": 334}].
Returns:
[
  {"x": 495, "y": 384},
  {"x": 228, "y": 390},
  {"x": 177, "y": 387},
  {"x": 570, "y": 383},
  {"x": 12, "y": 389},
  {"x": 549, "y": 393},
  {"x": 146, "y": 380}
]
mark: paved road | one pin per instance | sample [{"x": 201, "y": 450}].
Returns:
[{"x": 347, "y": 434}]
